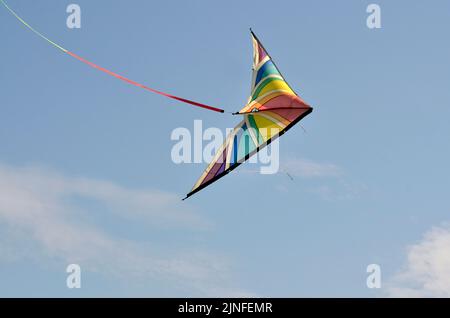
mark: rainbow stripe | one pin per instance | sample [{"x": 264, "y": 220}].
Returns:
[{"x": 272, "y": 109}]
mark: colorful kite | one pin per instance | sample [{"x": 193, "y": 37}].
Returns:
[{"x": 272, "y": 109}]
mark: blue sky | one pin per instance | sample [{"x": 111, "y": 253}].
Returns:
[{"x": 86, "y": 174}]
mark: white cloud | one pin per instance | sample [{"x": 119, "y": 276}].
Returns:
[
  {"x": 40, "y": 219},
  {"x": 325, "y": 180},
  {"x": 305, "y": 168},
  {"x": 341, "y": 190},
  {"x": 311, "y": 169},
  {"x": 427, "y": 269}
]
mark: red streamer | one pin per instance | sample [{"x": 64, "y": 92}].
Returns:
[{"x": 184, "y": 100}]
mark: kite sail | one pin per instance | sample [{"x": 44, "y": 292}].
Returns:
[
  {"x": 272, "y": 109},
  {"x": 118, "y": 76}
]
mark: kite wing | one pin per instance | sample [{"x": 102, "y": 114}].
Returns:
[{"x": 272, "y": 109}]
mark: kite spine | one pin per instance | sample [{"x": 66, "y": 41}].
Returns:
[{"x": 118, "y": 76}]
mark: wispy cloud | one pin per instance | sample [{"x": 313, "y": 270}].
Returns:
[
  {"x": 41, "y": 219},
  {"x": 311, "y": 169},
  {"x": 427, "y": 269},
  {"x": 323, "y": 179},
  {"x": 340, "y": 190},
  {"x": 304, "y": 168}
]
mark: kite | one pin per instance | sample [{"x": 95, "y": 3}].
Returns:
[
  {"x": 272, "y": 109},
  {"x": 118, "y": 76}
]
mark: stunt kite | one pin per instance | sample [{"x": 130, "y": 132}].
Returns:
[{"x": 272, "y": 109}]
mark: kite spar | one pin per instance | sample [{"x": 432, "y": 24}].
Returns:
[{"x": 118, "y": 76}]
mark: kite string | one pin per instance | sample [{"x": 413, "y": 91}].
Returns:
[
  {"x": 118, "y": 76},
  {"x": 31, "y": 28}
]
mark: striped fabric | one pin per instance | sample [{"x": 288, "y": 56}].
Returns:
[{"x": 272, "y": 108}]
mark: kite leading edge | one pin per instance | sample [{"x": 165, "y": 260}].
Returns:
[
  {"x": 272, "y": 109},
  {"x": 118, "y": 76}
]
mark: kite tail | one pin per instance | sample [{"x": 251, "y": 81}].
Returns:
[{"x": 118, "y": 76}]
